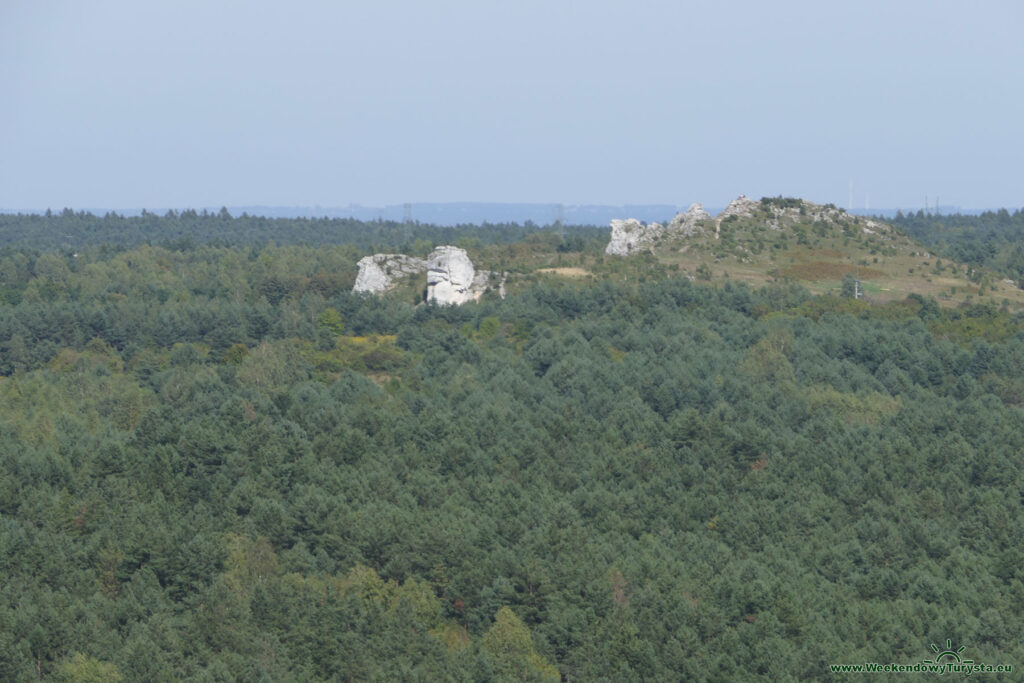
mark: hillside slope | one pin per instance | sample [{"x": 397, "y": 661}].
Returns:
[{"x": 817, "y": 245}]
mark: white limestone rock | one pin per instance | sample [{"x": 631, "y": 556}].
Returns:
[
  {"x": 878, "y": 227},
  {"x": 690, "y": 222},
  {"x": 380, "y": 272},
  {"x": 743, "y": 206},
  {"x": 451, "y": 276},
  {"x": 631, "y": 235}
]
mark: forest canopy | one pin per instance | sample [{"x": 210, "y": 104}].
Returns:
[{"x": 218, "y": 463}]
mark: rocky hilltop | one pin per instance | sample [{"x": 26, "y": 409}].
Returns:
[
  {"x": 630, "y": 235},
  {"x": 451, "y": 277}
]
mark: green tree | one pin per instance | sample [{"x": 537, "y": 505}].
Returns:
[
  {"x": 330, "y": 320},
  {"x": 849, "y": 287},
  {"x": 509, "y": 643},
  {"x": 85, "y": 669}
]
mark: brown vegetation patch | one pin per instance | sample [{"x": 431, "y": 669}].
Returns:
[
  {"x": 826, "y": 253},
  {"x": 565, "y": 272},
  {"x": 824, "y": 270}
]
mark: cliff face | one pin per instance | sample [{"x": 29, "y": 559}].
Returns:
[{"x": 451, "y": 277}]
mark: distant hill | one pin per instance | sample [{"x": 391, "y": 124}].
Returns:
[{"x": 784, "y": 238}]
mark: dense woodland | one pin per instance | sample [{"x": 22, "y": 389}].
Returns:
[
  {"x": 994, "y": 239},
  {"x": 218, "y": 464}
]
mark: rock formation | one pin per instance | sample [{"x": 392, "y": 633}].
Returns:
[
  {"x": 631, "y": 235},
  {"x": 451, "y": 277},
  {"x": 743, "y": 207},
  {"x": 380, "y": 272},
  {"x": 689, "y": 222}
]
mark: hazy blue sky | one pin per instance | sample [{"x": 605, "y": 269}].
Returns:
[{"x": 205, "y": 103}]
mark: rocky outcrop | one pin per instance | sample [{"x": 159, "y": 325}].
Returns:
[
  {"x": 780, "y": 213},
  {"x": 630, "y": 235},
  {"x": 381, "y": 272},
  {"x": 690, "y": 222},
  {"x": 451, "y": 277},
  {"x": 743, "y": 207}
]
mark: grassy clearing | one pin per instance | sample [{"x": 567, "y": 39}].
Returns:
[
  {"x": 824, "y": 270},
  {"x": 890, "y": 269}
]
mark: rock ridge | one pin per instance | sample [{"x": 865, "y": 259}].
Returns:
[{"x": 630, "y": 235}]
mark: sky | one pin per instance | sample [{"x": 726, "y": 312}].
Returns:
[{"x": 204, "y": 103}]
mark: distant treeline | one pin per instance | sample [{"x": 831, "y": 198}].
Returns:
[
  {"x": 992, "y": 239},
  {"x": 73, "y": 230}
]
